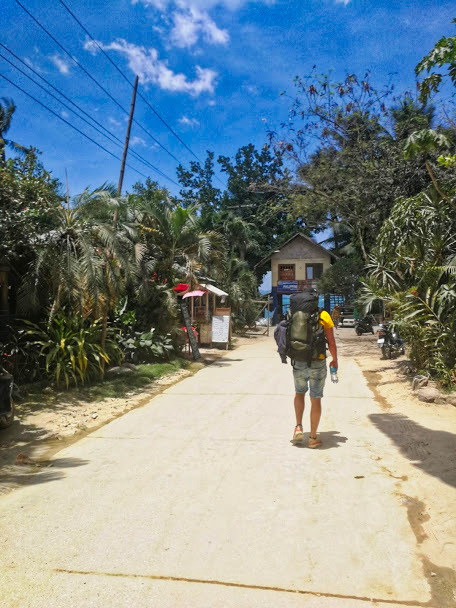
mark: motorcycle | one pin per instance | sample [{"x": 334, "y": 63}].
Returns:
[
  {"x": 389, "y": 341},
  {"x": 365, "y": 326}
]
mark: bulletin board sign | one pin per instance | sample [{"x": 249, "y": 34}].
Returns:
[{"x": 220, "y": 328}]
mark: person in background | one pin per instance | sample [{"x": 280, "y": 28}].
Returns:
[{"x": 335, "y": 315}]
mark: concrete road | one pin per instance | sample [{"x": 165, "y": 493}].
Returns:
[{"x": 199, "y": 499}]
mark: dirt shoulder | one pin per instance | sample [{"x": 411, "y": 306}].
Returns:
[{"x": 424, "y": 434}]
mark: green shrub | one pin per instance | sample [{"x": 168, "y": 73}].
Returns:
[
  {"x": 70, "y": 349},
  {"x": 428, "y": 324},
  {"x": 20, "y": 357},
  {"x": 145, "y": 347}
]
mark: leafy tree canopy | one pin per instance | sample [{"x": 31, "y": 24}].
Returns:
[
  {"x": 346, "y": 139},
  {"x": 342, "y": 277},
  {"x": 443, "y": 54}
]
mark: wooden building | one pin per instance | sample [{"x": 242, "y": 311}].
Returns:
[{"x": 298, "y": 264}]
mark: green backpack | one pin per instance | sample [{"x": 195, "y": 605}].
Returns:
[{"x": 305, "y": 335}]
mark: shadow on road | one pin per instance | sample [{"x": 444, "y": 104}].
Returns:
[
  {"x": 434, "y": 452},
  {"x": 15, "y": 476},
  {"x": 330, "y": 439}
]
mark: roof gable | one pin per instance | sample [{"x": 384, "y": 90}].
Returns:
[{"x": 309, "y": 243}]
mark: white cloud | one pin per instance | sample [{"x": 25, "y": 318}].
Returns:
[
  {"x": 114, "y": 122},
  {"x": 64, "y": 114},
  {"x": 202, "y": 4},
  {"x": 251, "y": 89},
  {"x": 60, "y": 63},
  {"x": 151, "y": 70},
  {"x": 191, "y": 20},
  {"x": 190, "y": 24},
  {"x": 344, "y": 2},
  {"x": 189, "y": 122},
  {"x": 137, "y": 141}
]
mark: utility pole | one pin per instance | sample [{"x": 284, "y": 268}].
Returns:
[
  {"x": 67, "y": 190},
  {"x": 127, "y": 140}
]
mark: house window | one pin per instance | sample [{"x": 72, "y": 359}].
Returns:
[
  {"x": 314, "y": 271},
  {"x": 286, "y": 272}
]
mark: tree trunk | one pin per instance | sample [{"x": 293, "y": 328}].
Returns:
[
  {"x": 104, "y": 331},
  {"x": 435, "y": 182},
  {"x": 361, "y": 243}
]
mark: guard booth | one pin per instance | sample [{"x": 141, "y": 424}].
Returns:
[{"x": 296, "y": 265}]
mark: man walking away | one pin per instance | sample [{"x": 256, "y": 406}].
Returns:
[{"x": 307, "y": 332}]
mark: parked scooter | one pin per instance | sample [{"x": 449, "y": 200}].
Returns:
[
  {"x": 389, "y": 341},
  {"x": 365, "y": 326}
]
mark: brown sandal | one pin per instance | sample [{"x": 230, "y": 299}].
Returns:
[
  {"x": 314, "y": 442},
  {"x": 298, "y": 434}
]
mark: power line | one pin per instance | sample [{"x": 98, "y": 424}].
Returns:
[
  {"x": 111, "y": 136},
  {"x": 56, "y": 98},
  {"x": 122, "y": 73},
  {"x": 105, "y": 91},
  {"x": 68, "y": 123},
  {"x": 57, "y": 90},
  {"x": 125, "y": 77}
]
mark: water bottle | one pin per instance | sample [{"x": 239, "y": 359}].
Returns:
[{"x": 334, "y": 377}]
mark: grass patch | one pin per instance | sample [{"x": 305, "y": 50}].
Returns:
[
  {"x": 108, "y": 388},
  {"x": 120, "y": 385}
]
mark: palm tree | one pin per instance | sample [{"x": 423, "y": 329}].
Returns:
[
  {"x": 173, "y": 239},
  {"x": 7, "y": 109},
  {"x": 240, "y": 234},
  {"x": 82, "y": 266}
]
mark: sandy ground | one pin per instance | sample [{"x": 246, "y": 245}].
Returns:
[{"x": 424, "y": 435}]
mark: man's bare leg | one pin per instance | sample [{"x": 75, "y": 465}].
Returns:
[
  {"x": 315, "y": 415},
  {"x": 299, "y": 411},
  {"x": 299, "y": 407}
]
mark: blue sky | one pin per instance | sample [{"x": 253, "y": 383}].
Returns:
[{"x": 213, "y": 69}]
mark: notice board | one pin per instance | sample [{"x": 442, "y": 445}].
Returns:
[{"x": 220, "y": 328}]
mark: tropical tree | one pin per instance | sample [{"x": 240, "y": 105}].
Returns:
[
  {"x": 342, "y": 277},
  {"x": 413, "y": 266},
  {"x": 7, "y": 109},
  {"x": 242, "y": 286},
  {"x": 81, "y": 265},
  {"x": 346, "y": 140},
  {"x": 424, "y": 144},
  {"x": 258, "y": 193},
  {"x": 173, "y": 238},
  {"x": 443, "y": 54},
  {"x": 28, "y": 198},
  {"x": 198, "y": 189}
]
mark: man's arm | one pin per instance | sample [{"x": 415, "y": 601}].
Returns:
[{"x": 332, "y": 346}]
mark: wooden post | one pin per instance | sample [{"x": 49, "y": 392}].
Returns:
[{"x": 127, "y": 141}]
